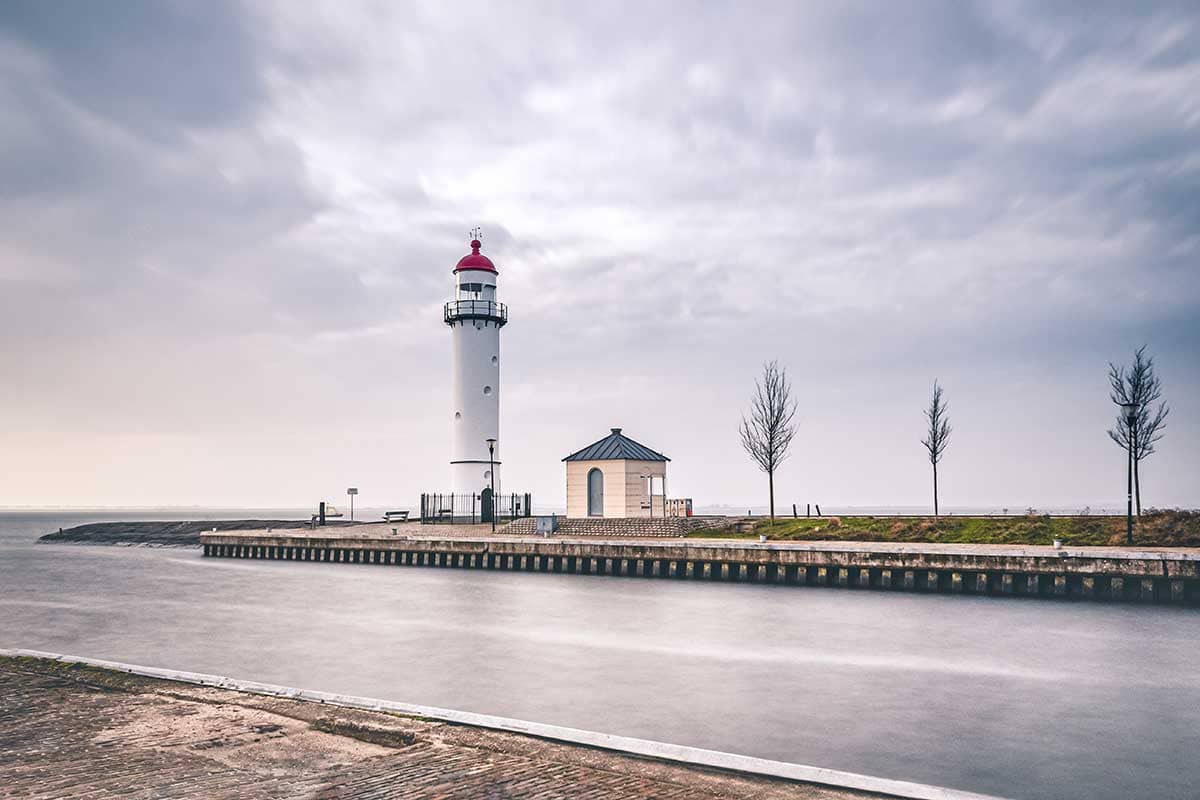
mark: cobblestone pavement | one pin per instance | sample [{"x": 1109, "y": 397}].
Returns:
[
  {"x": 376, "y": 529},
  {"x": 418, "y": 531},
  {"x": 74, "y": 732}
]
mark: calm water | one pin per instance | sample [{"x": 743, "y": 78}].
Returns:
[{"x": 1026, "y": 699}]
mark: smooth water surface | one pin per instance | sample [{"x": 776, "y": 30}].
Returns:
[{"x": 1020, "y": 698}]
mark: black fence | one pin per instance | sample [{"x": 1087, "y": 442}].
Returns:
[{"x": 472, "y": 508}]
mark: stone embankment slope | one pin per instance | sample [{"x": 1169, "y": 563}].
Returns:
[
  {"x": 173, "y": 533},
  {"x": 69, "y": 731}
]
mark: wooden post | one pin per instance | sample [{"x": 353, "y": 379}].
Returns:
[
  {"x": 1178, "y": 591},
  {"x": 1146, "y": 595},
  {"x": 807, "y": 510},
  {"x": 818, "y": 509},
  {"x": 794, "y": 514}
]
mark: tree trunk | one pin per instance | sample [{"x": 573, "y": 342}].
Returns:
[
  {"x": 771, "y": 482},
  {"x": 935, "y": 499},
  {"x": 1137, "y": 459},
  {"x": 1137, "y": 488}
]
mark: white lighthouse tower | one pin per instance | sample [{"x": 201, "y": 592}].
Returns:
[{"x": 475, "y": 319}]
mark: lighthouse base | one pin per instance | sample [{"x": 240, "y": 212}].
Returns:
[{"x": 472, "y": 477}]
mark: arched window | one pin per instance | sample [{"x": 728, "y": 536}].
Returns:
[{"x": 595, "y": 487}]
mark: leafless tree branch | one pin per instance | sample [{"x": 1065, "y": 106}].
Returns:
[
  {"x": 768, "y": 432},
  {"x": 938, "y": 435},
  {"x": 1138, "y": 384}
]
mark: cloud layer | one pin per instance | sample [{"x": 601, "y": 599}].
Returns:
[{"x": 227, "y": 231}]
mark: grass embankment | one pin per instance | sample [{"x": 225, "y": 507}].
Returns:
[{"x": 1154, "y": 529}]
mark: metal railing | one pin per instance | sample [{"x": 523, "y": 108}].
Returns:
[
  {"x": 487, "y": 310},
  {"x": 473, "y": 508}
]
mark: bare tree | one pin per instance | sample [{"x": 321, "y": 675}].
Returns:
[
  {"x": 769, "y": 431},
  {"x": 1138, "y": 384},
  {"x": 938, "y": 436}
]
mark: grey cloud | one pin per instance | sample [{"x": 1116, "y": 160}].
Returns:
[
  {"x": 133, "y": 166},
  {"x": 159, "y": 68},
  {"x": 273, "y": 195}
]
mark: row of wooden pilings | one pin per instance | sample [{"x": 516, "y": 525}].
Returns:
[{"x": 1066, "y": 586}]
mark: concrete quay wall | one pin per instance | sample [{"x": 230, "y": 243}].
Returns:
[{"x": 1079, "y": 573}]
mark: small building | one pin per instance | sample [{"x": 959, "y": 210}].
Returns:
[{"x": 616, "y": 477}]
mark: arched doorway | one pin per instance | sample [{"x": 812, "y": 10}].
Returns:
[
  {"x": 487, "y": 508},
  {"x": 595, "y": 484}
]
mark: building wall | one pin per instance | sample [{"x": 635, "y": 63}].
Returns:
[
  {"x": 637, "y": 499},
  {"x": 614, "y": 482},
  {"x": 577, "y": 487},
  {"x": 624, "y": 487}
]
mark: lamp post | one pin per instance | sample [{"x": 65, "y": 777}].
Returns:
[
  {"x": 492, "y": 477},
  {"x": 1129, "y": 412},
  {"x": 352, "y": 491}
]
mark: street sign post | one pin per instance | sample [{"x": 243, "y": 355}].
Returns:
[{"x": 352, "y": 491}]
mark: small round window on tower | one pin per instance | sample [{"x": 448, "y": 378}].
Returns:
[
  {"x": 487, "y": 474},
  {"x": 487, "y": 390},
  {"x": 495, "y": 360},
  {"x": 458, "y": 415}
]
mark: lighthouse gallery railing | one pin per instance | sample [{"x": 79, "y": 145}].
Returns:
[{"x": 488, "y": 310}]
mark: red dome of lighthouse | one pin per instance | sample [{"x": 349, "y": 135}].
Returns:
[{"x": 476, "y": 260}]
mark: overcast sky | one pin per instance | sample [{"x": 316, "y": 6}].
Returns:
[{"x": 226, "y": 232}]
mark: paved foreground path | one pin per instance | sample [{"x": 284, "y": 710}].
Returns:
[{"x": 76, "y": 732}]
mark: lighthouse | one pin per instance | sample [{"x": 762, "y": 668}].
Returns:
[{"x": 475, "y": 318}]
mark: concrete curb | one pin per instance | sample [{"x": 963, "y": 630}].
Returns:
[
  {"x": 621, "y": 744},
  {"x": 778, "y": 545}
]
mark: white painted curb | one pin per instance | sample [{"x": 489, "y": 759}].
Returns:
[{"x": 621, "y": 744}]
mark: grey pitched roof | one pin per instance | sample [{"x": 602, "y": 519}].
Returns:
[{"x": 616, "y": 446}]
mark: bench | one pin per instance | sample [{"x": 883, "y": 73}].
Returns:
[{"x": 395, "y": 516}]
